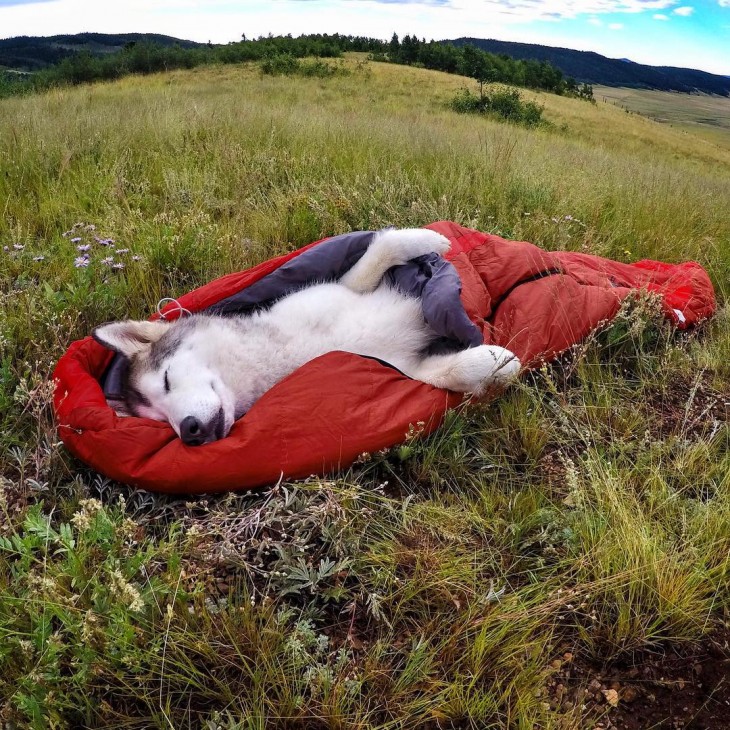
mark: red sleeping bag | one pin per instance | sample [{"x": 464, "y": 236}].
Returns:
[{"x": 334, "y": 408}]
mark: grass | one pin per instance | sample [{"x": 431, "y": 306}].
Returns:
[{"x": 435, "y": 585}]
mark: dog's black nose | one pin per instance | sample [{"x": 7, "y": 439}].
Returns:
[{"x": 192, "y": 431}]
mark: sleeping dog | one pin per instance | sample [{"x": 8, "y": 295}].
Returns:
[{"x": 202, "y": 372}]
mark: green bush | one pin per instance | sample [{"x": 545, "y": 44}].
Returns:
[
  {"x": 321, "y": 69},
  {"x": 465, "y": 102},
  {"x": 283, "y": 64},
  {"x": 503, "y": 103}
]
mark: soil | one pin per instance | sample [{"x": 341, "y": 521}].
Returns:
[
  {"x": 689, "y": 408},
  {"x": 679, "y": 689}
]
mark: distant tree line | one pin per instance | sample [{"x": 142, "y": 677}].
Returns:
[
  {"x": 596, "y": 69},
  {"x": 32, "y": 53},
  {"x": 480, "y": 65},
  {"x": 146, "y": 57}
]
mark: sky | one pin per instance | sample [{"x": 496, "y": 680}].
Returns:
[{"x": 686, "y": 33}]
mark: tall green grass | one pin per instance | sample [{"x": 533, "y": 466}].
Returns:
[{"x": 432, "y": 585}]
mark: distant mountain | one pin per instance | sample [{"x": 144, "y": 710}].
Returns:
[
  {"x": 31, "y": 53},
  {"x": 592, "y": 68}
]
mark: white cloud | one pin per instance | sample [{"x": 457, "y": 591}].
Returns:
[
  {"x": 615, "y": 26},
  {"x": 660, "y": 16},
  {"x": 595, "y": 21},
  {"x": 553, "y": 9},
  {"x": 225, "y": 20},
  {"x": 685, "y": 10}
]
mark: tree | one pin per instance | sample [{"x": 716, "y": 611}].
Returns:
[
  {"x": 409, "y": 50},
  {"x": 476, "y": 64},
  {"x": 394, "y": 48}
]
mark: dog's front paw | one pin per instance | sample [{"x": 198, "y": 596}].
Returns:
[
  {"x": 488, "y": 366},
  {"x": 507, "y": 365},
  {"x": 409, "y": 243}
]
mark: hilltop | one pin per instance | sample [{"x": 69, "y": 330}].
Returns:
[
  {"x": 593, "y": 68},
  {"x": 31, "y": 53}
]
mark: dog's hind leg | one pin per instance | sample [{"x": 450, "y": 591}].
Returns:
[
  {"x": 391, "y": 248},
  {"x": 469, "y": 371}
]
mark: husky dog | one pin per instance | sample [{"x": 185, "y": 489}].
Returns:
[{"x": 202, "y": 372}]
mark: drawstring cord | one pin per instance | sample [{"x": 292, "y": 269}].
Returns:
[{"x": 167, "y": 300}]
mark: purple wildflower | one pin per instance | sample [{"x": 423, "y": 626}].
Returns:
[
  {"x": 118, "y": 266},
  {"x": 136, "y": 258},
  {"x": 76, "y": 240},
  {"x": 108, "y": 261},
  {"x": 6, "y": 248},
  {"x": 122, "y": 250},
  {"x": 568, "y": 217},
  {"x": 18, "y": 246},
  {"x": 81, "y": 262},
  {"x": 39, "y": 258},
  {"x": 91, "y": 227},
  {"x": 83, "y": 248}
]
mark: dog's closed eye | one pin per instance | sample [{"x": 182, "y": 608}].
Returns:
[{"x": 167, "y": 383}]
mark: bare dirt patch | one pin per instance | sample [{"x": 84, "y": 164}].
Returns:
[
  {"x": 682, "y": 689},
  {"x": 689, "y": 408}
]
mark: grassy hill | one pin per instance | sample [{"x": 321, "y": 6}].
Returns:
[
  {"x": 32, "y": 53},
  {"x": 523, "y": 567}
]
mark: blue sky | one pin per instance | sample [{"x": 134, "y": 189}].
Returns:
[{"x": 685, "y": 33}]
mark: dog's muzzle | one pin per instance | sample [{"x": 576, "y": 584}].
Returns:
[{"x": 195, "y": 433}]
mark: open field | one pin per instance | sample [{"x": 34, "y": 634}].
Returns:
[
  {"x": 703, "y": 115},
  {"x": 524, "y": 567}
]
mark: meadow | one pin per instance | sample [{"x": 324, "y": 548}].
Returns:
[
  {"x": 524, "y": 567},
  {"x": 702, "y": 114}
]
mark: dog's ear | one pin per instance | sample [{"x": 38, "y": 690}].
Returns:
[{"x": 129, "y": 337}]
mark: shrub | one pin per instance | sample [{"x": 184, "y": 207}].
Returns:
[
  {"x": 504, "y": 103},
  {"x": 283, "y": 64},
  {"x": 465, "y": 102},
  {"x": 321, "y": 69}
]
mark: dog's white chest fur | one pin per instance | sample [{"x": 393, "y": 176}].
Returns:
[{"x": 263, "y": 348}]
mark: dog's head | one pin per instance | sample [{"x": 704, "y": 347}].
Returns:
[{"x": 172, "y": 376}]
